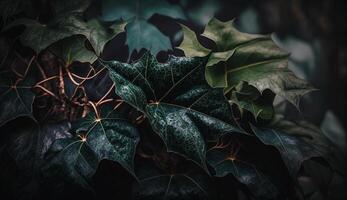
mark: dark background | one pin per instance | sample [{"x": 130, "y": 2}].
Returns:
[{"x": 313, "y": 31}]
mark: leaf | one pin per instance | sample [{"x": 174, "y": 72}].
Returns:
[
  {"x": 16, "y": 99},
  {"x": 316, "y": 138},
  {"x": 39, "y": 36},
  {"x": 333, "y": 129},
  {"x": 247, "y": 57},
  {"x": 27, "y": 145},
  {"x": 77, "y": 159},
  {"x": 141, "y": 34},
  {"x": 73, "y": 49},
  {"x": 176, "y": 100},
  {"x": 259, "y": 184},
  {"x": 298, "y": 142},
  {"x": 98, "y": 34},
  {"x": 140, "y": 9},
  {"x": 249, "y": 98},
  {"x": 158, "y": 183}
]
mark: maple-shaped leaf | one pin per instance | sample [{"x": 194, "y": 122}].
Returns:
[
  {"x": 297, "y": 142},
  {"x": 73, "y": 49},
  {"x": 239, "y": 57},
  {"x": 185, "y": 182},
  {"x": 249, "y": 98},
  {"x": 39, "y": 36},
  {"x": 174, "y": 96},
  {"x": 16, "y": 98},
  {"x": 258, "y": 183},
  {"x": 109, "y": 136},
  {"x": 140, "y": 33}
]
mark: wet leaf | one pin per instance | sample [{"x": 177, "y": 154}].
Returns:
[
  {"x": 77, "y": 159},
  {"x": 177, "y": 101}
]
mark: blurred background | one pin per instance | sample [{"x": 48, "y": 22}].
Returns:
[{"x": 314, "y": 32}]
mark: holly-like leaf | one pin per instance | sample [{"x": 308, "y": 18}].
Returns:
[
  {"x": 246, "y": 57},
  {"x": 298, "y": 142},
  {"x": 16, "y": 99},
  {"x": 157, "y": 183},
  {"x": 107, "y": 137},
  {"x": 249, "y": 98},
  {"x": 140, "y": 33},
  {"x": 181, "y": 107},
  {"x": 224, "y": 164}
]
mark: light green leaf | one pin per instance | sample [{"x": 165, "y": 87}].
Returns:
[
  {"x": 253, "y": 58},
  {"x": 249, "y": 98}
]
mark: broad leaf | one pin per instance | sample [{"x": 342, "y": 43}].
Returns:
[
  {"x": 315, "y": 138},
  {"x": 98, "y": 34},
  {"x": 177, "y": 101},
  {"x": 77, "y": 159},
  {"x": 249, "y": 98},
  {"x": 140, "y": 33},
  {"x": 27, "y": 145},
  {"x": 224, "y": 164},
  {"x": 73, "y": 49},
  {"x": 39, "y": 36},
  {"x": 246, "y": 57},
  {"x": 16, "y": 99},
  {"x": 298, "y": 142}
]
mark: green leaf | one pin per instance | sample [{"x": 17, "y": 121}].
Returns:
[
  {"x": 259, "y": 184},
  {"x": 249, "y": 98},
  {"x": 39, "y": 36},
  {"x": 98, "y": 34},
  {"x": 177, "y": 101},
  {"x": 16, "y": 99},
  {"x": 190, "y": 44},
  {"x": 73, "y": 49},
  {"x": 297, "y": 142},
  {"x": 141, "y": 34},
  {"x": 26, "y": 145},
  {"x": 313, "y": 135},
  {"x": 78, "y": 158},
  {"x": 140, "y": 9},
  {"x": 248, "y": 57}
]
